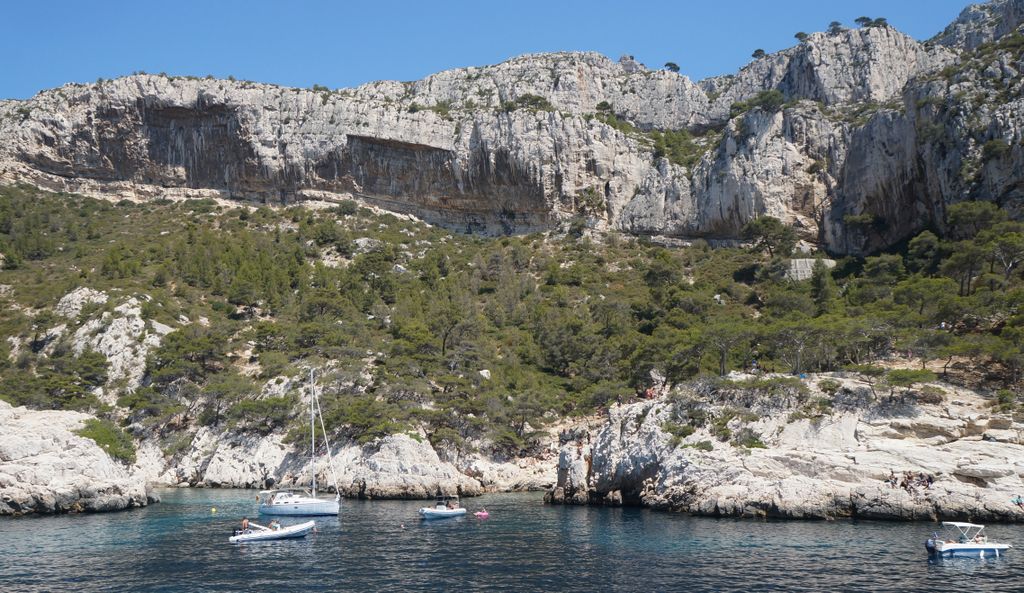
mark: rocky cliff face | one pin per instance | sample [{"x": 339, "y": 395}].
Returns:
[
  {"x": 831, "y": 464},
  {"x": 46, "y": 468},
  {"x": 875, "y": 125},
  {"x": 982, "y": 23}
]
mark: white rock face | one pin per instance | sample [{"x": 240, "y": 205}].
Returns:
[
  {"x": 123, "y": 337},
  {"x": 512, "y": 147},
  {"x": 982, "y": 23},
  {"x": 855, "y": 65},
  {"x": 803, "y": 268},
  {"x": 396, "y": 466},
  {"x": 46, "y": 468},
  {"x": 71, "y": 304},
  {"x": 830, "y": 466}
]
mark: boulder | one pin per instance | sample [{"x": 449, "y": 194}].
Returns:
[{"x": 46, "y": 468}]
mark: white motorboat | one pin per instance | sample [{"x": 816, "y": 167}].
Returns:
[
  {"x": 259, "y": 533},
  {"x": 963, "y": 540},
  {"x": 445, "y": 507},
  {"x": 300, "y": 502}
]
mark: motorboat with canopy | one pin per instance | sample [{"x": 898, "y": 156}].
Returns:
[
  {"x": 963, "y": 540},
  {"x": 298, "y": 501},
  {"x": 445, "y": 507}
]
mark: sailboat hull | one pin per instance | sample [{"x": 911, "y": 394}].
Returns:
[{"x": 306, "y": 507}]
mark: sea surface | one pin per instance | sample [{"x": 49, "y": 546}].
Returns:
[{"x": 181, "y": 545}]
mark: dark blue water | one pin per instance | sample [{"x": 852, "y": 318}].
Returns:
[{"x": 180, "y": 545}]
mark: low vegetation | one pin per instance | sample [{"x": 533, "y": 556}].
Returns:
[{"x": 110, "y": 438}]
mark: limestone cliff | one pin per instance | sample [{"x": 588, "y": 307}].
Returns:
[
  {"x": 875, "y": 125},
  {"x": 46, "y": 468},
  {"x": 801, "y": 461}
]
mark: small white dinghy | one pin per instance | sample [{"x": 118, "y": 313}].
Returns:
[
  {"x": 259, "y": 533},
  {"x": 963, "y": 540},
  {"x": 445, "y": 507}
]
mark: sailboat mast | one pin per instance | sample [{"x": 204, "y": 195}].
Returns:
[{"x": 312, "y": 429}]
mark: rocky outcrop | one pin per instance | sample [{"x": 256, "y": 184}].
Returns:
[
  {"x": 396, "y": 466},
  {"x": 825, "y": 466},
  {"x": 871, "y": 64},
  {"x": 46, "y": 468},
  {"x": 982, "y": 23},
  {"x": 71, "y": 304},
  {"x": 875, "y": 126},
  {"x": 124, "y": 338}
]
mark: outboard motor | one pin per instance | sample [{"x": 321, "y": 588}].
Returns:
[{"x": 930, "y": 544}]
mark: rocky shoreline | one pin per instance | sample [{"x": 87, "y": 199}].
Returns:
[
  {"x": 46, "y": 468},
  {"x": 826, "y": 466}
]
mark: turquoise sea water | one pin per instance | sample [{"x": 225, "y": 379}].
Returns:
[{"x": 179, "y": 545}]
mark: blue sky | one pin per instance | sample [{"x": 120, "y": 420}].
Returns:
[{"x": 340, "y": 44}]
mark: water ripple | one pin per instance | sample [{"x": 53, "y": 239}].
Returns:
[{"x": 181, "y": 546}]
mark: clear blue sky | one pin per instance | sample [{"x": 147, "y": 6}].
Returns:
[{"x": 46, "y": 43}]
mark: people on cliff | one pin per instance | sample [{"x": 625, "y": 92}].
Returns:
[{"x": 1018, "y": 500}]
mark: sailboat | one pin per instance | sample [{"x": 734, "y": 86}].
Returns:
[{"x": 299, "y": 501}]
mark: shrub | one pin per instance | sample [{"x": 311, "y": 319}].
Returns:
[
  {"x": 527, "y": 101},
  {"x": 931, "y": 395},
  {"x": 702, "y": 446},
  {"x": 345, "y": 208},
  {"x": 769, "y": 101},
  {"x": 678, "y": 432},
  {"x": 1005, "y": 401},
  {"x": 263, "y": 415},
  {"x": 829, "y": 386},
  {"x": 995, "y": 149},
  {"x": 746, "y": 437},
  {"x": 114, "y": 441}
]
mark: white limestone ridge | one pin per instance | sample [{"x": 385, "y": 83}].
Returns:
[
  {"x": 818, "y": 465},
  {"x": 46, "y": 468},
  {"x": 875, "y": 124}
]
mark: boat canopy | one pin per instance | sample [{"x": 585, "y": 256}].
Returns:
[{"x": 962, "y": 525}]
